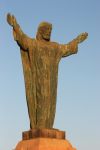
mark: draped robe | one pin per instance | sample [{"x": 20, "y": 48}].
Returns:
[{"x": 40, "y": 61}]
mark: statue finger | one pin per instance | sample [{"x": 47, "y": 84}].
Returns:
[
  {"x": 86, "y": 34},
  {"x": 14, "y": 20},
  {"x": 9, "y": 19}
]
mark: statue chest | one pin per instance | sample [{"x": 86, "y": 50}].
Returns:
[
  {"x": 45, "y": 52},
  {"x": 44, "y": 55}
]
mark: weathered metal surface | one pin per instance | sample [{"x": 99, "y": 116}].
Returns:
[{"x": 40, "y": 60}]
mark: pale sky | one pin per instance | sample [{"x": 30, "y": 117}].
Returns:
[{"x": 78, "y": 98}]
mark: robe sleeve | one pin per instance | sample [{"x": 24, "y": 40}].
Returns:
[
  {"x": 68, "y": 49},
  {"x": 22, "y": 39}
]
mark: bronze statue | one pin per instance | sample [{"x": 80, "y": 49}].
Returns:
[{"x": 40, "y": 59}]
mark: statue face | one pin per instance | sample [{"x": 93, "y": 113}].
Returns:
[{"x": 44, "y": 31}]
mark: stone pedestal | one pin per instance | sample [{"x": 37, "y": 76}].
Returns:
[
  {"x": 44, "y": 139},
  {"x": 44, "y": 144}
]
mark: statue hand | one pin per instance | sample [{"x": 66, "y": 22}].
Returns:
[
  {"x": 81, "y": 37},
  {"x": 11, "y": 20}
]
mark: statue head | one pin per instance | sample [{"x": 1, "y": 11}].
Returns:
[{"x": 44, "y": 31}]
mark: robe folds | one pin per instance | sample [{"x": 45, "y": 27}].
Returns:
[
  {"x": 40, "y": 60},
  {"x": 40, "y": 68}
]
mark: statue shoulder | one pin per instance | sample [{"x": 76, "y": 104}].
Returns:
[{"x": 54, "y": 44}]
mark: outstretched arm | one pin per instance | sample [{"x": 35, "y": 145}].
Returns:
[
  {"x": 22, "y": 39},
  {"x": 72, "y": 47}
]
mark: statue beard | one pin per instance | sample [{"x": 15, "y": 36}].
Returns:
[{"x": 43, "y": 34}]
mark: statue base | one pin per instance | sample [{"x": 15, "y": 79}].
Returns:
[
  {"x": 44, "y": 133},
  {"x": 44, "y": 139}
]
